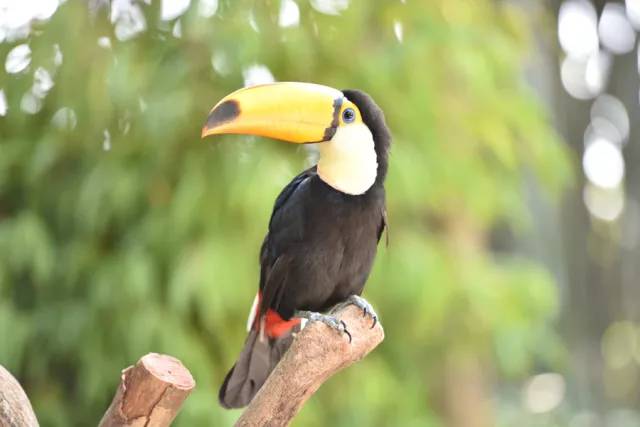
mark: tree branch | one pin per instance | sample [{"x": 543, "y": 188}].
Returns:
[
  {"x": 15, "y": 408},
  {"x": 316, "y": 354},
  {"x": 150, "y": 393}
]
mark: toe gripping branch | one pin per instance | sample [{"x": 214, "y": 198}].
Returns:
[
  {"x": 339, "y": 325},
  {"x": 362, "y": 304},
  {"x": 328, "y": 320}
]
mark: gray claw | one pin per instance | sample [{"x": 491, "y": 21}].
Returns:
[
  {"x": 330, "y": 321},
  {"x": 363, "y": 304},
  {"x": 346, "y": 331}
]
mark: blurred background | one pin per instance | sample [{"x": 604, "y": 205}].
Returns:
[{"x": 510, "y": 286}]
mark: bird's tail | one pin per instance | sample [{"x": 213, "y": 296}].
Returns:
[{"x": 261, "y": 353}]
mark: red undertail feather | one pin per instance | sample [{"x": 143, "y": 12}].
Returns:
[
  {"x": 271, "y": 323},
  {"x": 275, "y": 326}
]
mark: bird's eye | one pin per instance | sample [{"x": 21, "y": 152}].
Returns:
[{"x": 348, "y": 115}]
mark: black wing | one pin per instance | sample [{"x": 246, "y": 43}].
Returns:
[{"x": 286, "y": 227}]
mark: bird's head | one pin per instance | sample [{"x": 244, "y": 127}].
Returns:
[{"x": 348, "y": 126}]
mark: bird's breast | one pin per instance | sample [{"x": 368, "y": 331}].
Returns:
[{"x": 345, "y": 230}]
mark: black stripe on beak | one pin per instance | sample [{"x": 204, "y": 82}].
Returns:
[
  {"x": 331, "y": 130},
  {"x": 225, "y": 112}
]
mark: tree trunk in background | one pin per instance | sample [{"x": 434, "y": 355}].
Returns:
[
  {"x": 596, "y": 264},
  {"x": 466, "y": 383},
  {"x": 467, "y": 400}
]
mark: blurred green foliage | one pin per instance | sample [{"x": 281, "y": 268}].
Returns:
[{"x": 152, "y": 244}]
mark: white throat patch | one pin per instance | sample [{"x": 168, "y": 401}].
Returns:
[{"x": 348, "y": 162}]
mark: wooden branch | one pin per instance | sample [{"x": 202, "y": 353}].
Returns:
[
  {"x": 15, "y": 408},
  {"x": 316, "y": 354},
  {"x": 150, "y": 393}
]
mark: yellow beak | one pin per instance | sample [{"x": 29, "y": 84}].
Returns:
[{"x": 292, "y": 112}]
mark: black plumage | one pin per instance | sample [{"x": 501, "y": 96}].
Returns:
[{"x": 318, "y": 251}]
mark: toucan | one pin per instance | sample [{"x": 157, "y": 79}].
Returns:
[{"x": 326, "y": 223}]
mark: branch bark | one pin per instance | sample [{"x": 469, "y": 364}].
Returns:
[
  {"x": 315, "y": 355},
  {"x": 150, "y": 393},
  {"x": 15, "y": 408}
]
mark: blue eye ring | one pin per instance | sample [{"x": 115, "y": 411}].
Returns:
[{"x": 348, "y": 115}]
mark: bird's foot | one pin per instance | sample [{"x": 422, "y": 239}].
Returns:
[
  {"x": 362, "y": 304},
  {"x": 328, "y": 320}
]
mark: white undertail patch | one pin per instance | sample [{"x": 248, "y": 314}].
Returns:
[{"x": 252, "y": 313}]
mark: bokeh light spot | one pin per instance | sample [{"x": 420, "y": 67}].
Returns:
[
  {"x": 171, "y": 9},
  {"x": 104, "y": 42},
  {"x": 289, "y": 14},
  {"x": 597, "y": 71},
  {"x": 603, "y": 204},
  {"x": 633, "y": 13},
  {"x": 257, "y": 74},
  {"x": 16, "y": 16},
  {"x": 616, "y": 32},
  {"x": 603, "y": 163},
  {"x": 330, "y": 7},
  {"x": 57, "y": 55},
  {"x": 18, "y": 59},
  {"x": 577, "y": 28},
  {"x": 573, "y": 76},
  {"x": 602, "y": 128},
  {"x": 106, "y": 140},
  {"x": 220, "y": 63},
  {"x": 65, "y": 119},
  {"x": 30, "y": 103},
  {"x": 252, "y": 22},
  {"x": 128, "y": 19},
  {"x": 42, "y": 82},
  {"x": 398, "y": 30},
  {"x": 207, "y": 8},
  {"x": 613, "y": 110},
  {"x": 177, "y": 29},
  {"x": 544, "y": 392},
  {"x": 3, "y": 103}
]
